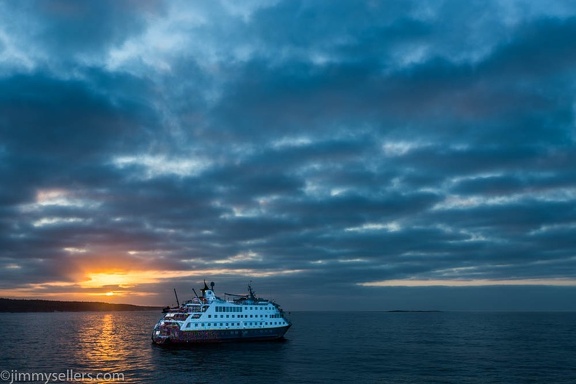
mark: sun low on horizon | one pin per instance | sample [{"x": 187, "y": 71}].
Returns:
[{"x": 140, "y": 287}]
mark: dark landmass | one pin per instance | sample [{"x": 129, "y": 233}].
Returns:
[
  {"x": 18, "y": 305},
  {"x": 409, "y": 311}
]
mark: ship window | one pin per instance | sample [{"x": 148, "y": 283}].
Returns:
[
  {"x": 227, "y": 316},
  {"x": 209, "y": 316}
]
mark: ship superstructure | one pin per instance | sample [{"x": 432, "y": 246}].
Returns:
[{"x": 208, "y": 318}]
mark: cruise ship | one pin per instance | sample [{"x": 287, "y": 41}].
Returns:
[{"x": 207, "y": 318}]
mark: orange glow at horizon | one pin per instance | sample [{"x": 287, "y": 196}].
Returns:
[
  {"x": 102, "y": 279},
  {"x": 121, "y": 286}
]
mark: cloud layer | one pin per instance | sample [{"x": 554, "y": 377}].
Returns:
[{"x": 348, "y": 146}]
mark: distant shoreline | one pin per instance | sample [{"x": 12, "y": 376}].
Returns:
[
  {"x": 37, "y": 305},
  {"x": 23, "y": 305},
  {"x": 410, "y": 311}
]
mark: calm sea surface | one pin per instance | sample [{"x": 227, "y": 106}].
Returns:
[{"x": 365, "y": 347}]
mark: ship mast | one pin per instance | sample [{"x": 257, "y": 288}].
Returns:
[{"x": 177, "y": 301}]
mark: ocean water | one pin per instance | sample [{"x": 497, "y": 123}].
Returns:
[{"x": 321, "y": 347}]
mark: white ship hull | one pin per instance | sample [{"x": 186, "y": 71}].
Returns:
[{"x": 209, "y": 319}]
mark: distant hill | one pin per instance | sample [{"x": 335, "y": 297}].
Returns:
[{"x": 18, "y": 305}]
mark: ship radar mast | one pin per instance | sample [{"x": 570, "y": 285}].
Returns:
[
  {"x": 203, "y": 290},
  {"x": 251, "y": 292}
]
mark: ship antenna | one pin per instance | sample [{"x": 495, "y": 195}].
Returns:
[
  {"x": 251, "y": 292},
  {"x": 175, "y": 294}
]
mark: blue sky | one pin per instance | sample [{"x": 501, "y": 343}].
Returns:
[{"x": 382, "y": 154}]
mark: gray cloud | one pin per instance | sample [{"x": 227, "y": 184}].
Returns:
[{"x": 299, "y": 144}]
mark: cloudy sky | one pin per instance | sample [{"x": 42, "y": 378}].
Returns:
[{"x": 338, "y": 154}]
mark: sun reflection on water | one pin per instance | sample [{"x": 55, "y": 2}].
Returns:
[{"x": 106, "y": 343}]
